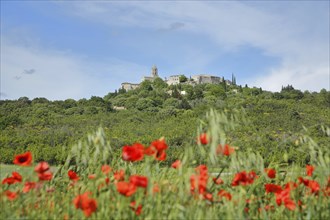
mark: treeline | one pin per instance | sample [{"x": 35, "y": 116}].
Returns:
[{"x": 275, "y": 120}]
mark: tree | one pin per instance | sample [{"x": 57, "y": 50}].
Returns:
[{"x": 183, "y": 78}]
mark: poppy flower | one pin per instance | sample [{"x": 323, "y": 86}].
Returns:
[
  {"x": 208, "y": 196},
  {"x": 157, "y": 149},
  {"x": 41, "y": 167},
  {"x": 203, "y": 139},
  {"x": 217, "y": 181},
  {"x": 91, "y": 176},
  {"x": 225, "y": 150},
  {"x": 137, "y": 209},
  {"x": 176, "y": 164},
  {"x": 199, "y": 180},
  {"x": 155, "y": 189},
  {"x": 139, "y": 181},
  {"x": 106, "y": 169},
  {"x": 45, "y": 176},
  {"x": 273, "y": 188},
  {"x": 28, "y": 186},
  {"x": 24, "y": 159},
  {"x": 309, "y": 170},
  {"x": 271, "y": 173},
  {"x": 73, "y": 175},
  {"x": 284, "y": 197},
  {"x": 244, "y": 178},
  {"x": 83, "y": 202},
  {"x": 126, "y": 188},
  {"x": 133, "y": 153},
  {"x": 224, "y": 194},
  {"x": 119, "y": 175},
  {"x": 11, "y": 195},
  {"x": 15, "y": 178}
]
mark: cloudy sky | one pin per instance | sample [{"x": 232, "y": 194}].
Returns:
[{"x": 77, "y": 49}]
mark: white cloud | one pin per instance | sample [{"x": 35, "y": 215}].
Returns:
[
  {"x": 57, "y": 74},
  {"x": 297, "y": 33}
]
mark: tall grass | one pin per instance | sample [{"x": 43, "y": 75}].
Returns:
[{"x": 175, "y": 198}]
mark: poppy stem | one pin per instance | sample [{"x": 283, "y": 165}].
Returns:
[{"x": 219, "y": 174}]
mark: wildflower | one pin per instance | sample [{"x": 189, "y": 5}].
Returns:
[
  {"x": 119, "y": 175},
  {"x": 15, "y": 178},
  {"x": 11, "y": 195},
  {"x": 45, "y": 175},
  {"x": 133, "y": 153},
  {"x": 28, "y": 186},
  {"x": 199, "y": 180},
  {"x": 73, "y": 175},
  {"x": 224, "y": 194},
  {"x": 139, "y": 181},
  {"x": 226, "y": 150},
  {"x": 83, "y": 202},
  {"x": 273, "y": 188},
  {"x": 309, "y": 170},
  {"x": 155, "y": 189},
  {"x": 284, "y": 197},
  {"x": 158, "y": 147},
  {"x": 24, "y": 159},
  {"x": 271, "y": 173},
  {"x": 126, "y": 188},
  {"x": 244, "y": 178},
  {"x": 176, "y": 164},
  {"x": 41, "y": 167},
  {"x": 91, "y": 176},
  {"x": 217, "y": 181},
  {"x": 203, "y": 139},
  {"x": 106, "y": 169},
  {"x": 312, "y": 184},
  {"x": 137, "y": 209}
]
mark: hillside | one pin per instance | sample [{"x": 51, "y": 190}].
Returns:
[{"x": 271, "y": 124}]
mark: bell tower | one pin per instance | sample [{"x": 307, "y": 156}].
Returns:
[{"x": 154, "y": 71}]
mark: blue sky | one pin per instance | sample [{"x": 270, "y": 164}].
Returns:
[{"x": 77, "y": 49}]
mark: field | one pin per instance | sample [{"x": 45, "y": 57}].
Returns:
[{"x": 209, "y": 180}]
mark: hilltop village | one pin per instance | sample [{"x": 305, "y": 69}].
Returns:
[{"x": 178, "y": 79}]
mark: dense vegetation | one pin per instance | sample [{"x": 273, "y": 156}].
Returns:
[{"x": 272, "y": 122}]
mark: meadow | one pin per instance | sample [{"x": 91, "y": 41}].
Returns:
[{"x": 209, "y": 179}]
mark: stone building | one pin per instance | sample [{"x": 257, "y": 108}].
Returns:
[
  {"x": 154, "y": 74},
  {"x": 203, "y": 78},
  {"x": 173, "y": 80},
  {"x": 129, "y": 86}
]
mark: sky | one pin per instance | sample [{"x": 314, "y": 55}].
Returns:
[{"x": 78, "y": 49}]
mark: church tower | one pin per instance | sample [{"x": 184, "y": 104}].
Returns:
[{"x": 154, "y": 71}]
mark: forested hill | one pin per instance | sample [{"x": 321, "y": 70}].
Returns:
[{"x": 274, "y": 120}]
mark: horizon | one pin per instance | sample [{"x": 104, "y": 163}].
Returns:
[{"x": 73, "y": 50}]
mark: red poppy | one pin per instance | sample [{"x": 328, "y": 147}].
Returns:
[
  {"x": 224, "y": 194},
  {"x": 139, "y": 181},
  {"x": 199, "y": 180},
  {"x": 176, "y": 164},
  {"x": 126, "y": 188},
  {"x": 11, "y": 195},
  {"x": 45, "y": 175},
  {"x": 284, "y": 197},
  {"x": 226, "y": 150},
  {"x": 309, "y": 170},
  {"x": 208, "y": 196},
  {"x": 160, "y": 144},
  {"x": 106, "y": 169},
  {"x": 119, "y": 175},
  {"x": 244, "y": 178},
  {"x": 157, "y": 149},
  {"x": 273, "y": 188},
  {"x": 15, "y": 178},
  {"x": 203, "y": 139},
  {"x": 133, "y": 153},
  {"x": 155, "y": 189},
  {"x": 291, "y": 185},
  {"x": 271, "y": 173},
  {"x": 28, "y": 186},
  {"x": 83, "y": 202},
  {"x": 24, "y": 159},
  {"x": 312, "y": 184},
  {"x": 138, "y": 209},
  {"x": 91, "y": 176},
  {"x": 73, "y": 175},
  {"x": 41, "y": 167},
  {"x": 217, "y": 181}
]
